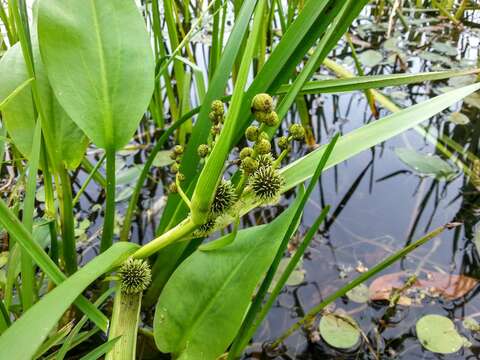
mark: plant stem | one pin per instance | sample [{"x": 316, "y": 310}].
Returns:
[
  {"x": 109, "y": 219},
  {"x": 125, "y": 319},
  {"x": 68, "y": 233},
  {"x": 181, "y": 230},
  {"x": 310, "y": 316}
]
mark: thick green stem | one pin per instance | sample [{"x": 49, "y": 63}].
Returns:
[
  {"x": 109, "y": 219},
  {"x": 181, "y": 230},
  {"x": 69, "y": 249},
  {"x": 125, "y": 319}
]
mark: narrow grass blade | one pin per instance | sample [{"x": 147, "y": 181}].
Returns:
[{"x": 101, "y": 350}]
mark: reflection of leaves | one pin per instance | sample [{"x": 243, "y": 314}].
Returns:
[
  {"x": 459, "y": 118},
  {"x": 296, "y": 277},
  {"x": 339, "y": 330},
  {"x": 438, "y": 334},
  {"x": 370, "y": 58},
  {"x": 449, "y": 287},
  {"x": 426, "y": 165}
]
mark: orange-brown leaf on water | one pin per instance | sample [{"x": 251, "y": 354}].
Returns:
[{"x": 446, "y": 286}]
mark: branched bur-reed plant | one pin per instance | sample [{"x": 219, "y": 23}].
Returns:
[{"x": 77, "y": 74}]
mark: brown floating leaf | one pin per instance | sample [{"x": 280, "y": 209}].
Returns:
[{"x": 447, "y": 286}]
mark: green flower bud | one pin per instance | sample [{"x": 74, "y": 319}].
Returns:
[
  {"x": 224, "y": 198},
  {"x": 260, "y": 116},
  {"x": 266, "y": 183},
  {"x": 135, "y": 276},
  {"x": 246, "y": 151},
  {"x": 249, "y": 165},
  {"x": 263, "y": 146},
  {"x": 178, "y": 150},
  {"x": 203, "y": 150},
  {"x": 252, "y": 133},
  {"x": 271, "y": 119},
  {"x": 262, "y": 102},
  {"x": 217, "y": 107},
  {"x": 180, "y": 176},
  {"x": 263, "y": 135},
  {"x": 297, "y": 131},
  {"x": 172, "y": 187},
  {"x": 205, "y": 229},
  {"x": 174, "y": 168},
  {"x": 283, "y": 143}
]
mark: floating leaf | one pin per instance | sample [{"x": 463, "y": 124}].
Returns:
[
  {"x": 445, "y": 48},
  {"x": 339, "y": 330},
  {"x": 371, "y": 58},
  {"x": 359, "y": 294},
  {"x": 296, "y": 277},
  {"x": 438, "y": 334},
  {"x": 426, "y": 165},
  {"x": 459, "y": 118}
]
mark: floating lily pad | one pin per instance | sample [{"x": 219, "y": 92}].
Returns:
[
  {"x": 471, "y": 324},
  {"x": 370, "y": 58},
  {"x": 445, "y": 48},
  {"x": 359, "y": 294},
  {"x": 459, "y": 118},
  {"x": 339, "y": 330},
  {"x": 296, "y": 277},
  {"x": 438, "y": 334},
  {"x": 426, "y": 165}
]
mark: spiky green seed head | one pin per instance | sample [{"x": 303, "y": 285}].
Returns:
[
  {"x": 135, "y": 276},
  {"x": 249, "y": 165},
  {"x": 283, "y": 143},
  {"x": 217, "y": 107},
  {"x": 263, "y": 146},
  {"x": 271, "y": 119},
  {"x": 265, "y": 160},
  {"x": 252, "y": 133},
  {"x": 180, "y": 176},
  {"x": 224, "y": 198},
  {"x": 172, "y": 188},
  {"x": 203, "y": 150},
  {"x": 263, "y": 103},
  {"x": 216, "y": 129},
  {"x": 205, "y": 229},
  {"x": 297, "y": 131},
  {"x": 246, "y": 152},
  {"x": 266, "y": 183},
  {"x": 174, "y": 168}
]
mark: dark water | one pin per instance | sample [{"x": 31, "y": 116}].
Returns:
[{"x": 379, "y": 205}]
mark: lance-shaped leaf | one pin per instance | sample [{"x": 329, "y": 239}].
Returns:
[
  {"x": 202, "y": 306},
  {"x": 99, "y": 63}
]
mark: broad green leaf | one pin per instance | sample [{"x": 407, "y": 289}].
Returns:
[
  {"x": 339, "y": 330},
  {"x": 426, "y": 165},
  {"x": 103, "y": 72},
  {"x": 202, "y": 306},
  {"x": 24, "y": 336},
  {"x": 438, "y": 334}
]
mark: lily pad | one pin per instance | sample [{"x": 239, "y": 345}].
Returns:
[
  {"x": 339, "y": 330},
  {"x": 370, "y": 58},
  {"x": 359, "y": 294},
  {"x": 163, "y": 158},
  {"x": 438, "y": 334},
  {"x": 445, "y": 48},
  {"x": 471, "y": 324},
  {"x": 459, "y": 118},
  {"x": 296, "y": 277},
  {"x": 426, "y": 165}
]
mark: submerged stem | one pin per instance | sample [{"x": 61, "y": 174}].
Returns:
[{"x": 68, "y": 231}]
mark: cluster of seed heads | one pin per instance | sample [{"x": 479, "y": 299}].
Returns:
[
  {"x": 266, "y": 183},
  {"x": 135, "y": 276},
  {"x": 176, "y": 155}
]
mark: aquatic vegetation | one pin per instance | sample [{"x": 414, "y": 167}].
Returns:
[{"x": 80, "y": 78}]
